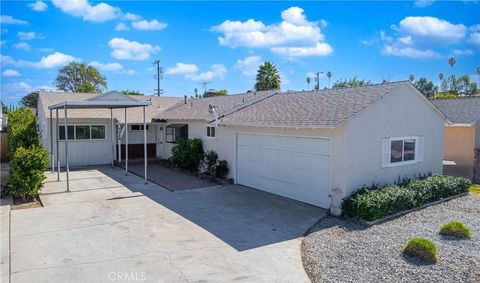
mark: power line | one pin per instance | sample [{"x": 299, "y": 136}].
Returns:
[
  {"x": 159, "y": 77},
  {"x": 205, "y": 83}
]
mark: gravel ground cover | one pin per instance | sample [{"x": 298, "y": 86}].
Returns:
[{"x": 336, "y": 250}]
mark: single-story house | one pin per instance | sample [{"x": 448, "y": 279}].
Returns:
[
  {"x": 312, "y": 146},
  {"x": 89, "y": 129},
  {"x": 462, "y": 136},
  {"x": 315, "y": 146}
]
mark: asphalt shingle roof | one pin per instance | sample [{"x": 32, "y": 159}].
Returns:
[
  {"x": 135, "y": 115},
  {"x": 197, "y": 109},
  {"x": 460, "y": 110},
  {"x": 311, "y": 109}
]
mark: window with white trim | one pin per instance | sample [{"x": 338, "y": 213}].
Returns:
[
  {"x": 138, "y": 127},
  {"x": 402, "y": 151},
  {"x": 211, "y": 132},
  {"x": 82, "y": 132},
  {"x": 174, "y": 132}
]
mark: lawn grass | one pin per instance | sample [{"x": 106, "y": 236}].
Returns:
[{"x": 475, "y": 190}]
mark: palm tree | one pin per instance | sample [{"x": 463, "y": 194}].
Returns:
[
  {"x": 441, "y": 76},
  {"x": 267, "y": 77},
  {"x": 411, "y": 78},
  {"x": 451, "y": 62},
  {"x": 308, "y": 82},
  {"x": 329, "y": 75}
]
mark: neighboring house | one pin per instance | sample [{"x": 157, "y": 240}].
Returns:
[
  {"x": 89, "y": 130},
  {"x": 462, "y": 136},
  {"x": 317, "y": 146}
]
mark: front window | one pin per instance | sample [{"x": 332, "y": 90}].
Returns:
[
  {"x": 82, "y": 132},
  {"x": 211, "y": 132},
  {"x": 175, "y": 132},
  {"x": 402, "y": 150},
  {"x": 139, "y": 127}
]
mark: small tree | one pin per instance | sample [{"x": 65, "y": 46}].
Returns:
[
  {"x": 22, "y": 130},
  {"x": 267, "y": 77},
  {"x": 78, "y": 77},
  {"x": 351, "y": 82},
  {"x": 426, "y": 87},
  {"x": 30, "y": 100}
]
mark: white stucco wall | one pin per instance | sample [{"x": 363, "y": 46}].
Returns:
[
  {"x": 136, "y": 137},
  {"x": 401, "y": 113}
]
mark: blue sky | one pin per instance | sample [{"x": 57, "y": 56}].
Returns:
[{"x": 224, "y": 42}]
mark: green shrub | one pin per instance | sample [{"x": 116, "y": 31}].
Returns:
[
  {"x": 371, "y": 203},
  {"x": 221, "y": 170},
  {"x": 456, "y": 228},
  {"x": 22, "y": 130},
  {"x": 26, "y": 172},
  {"x": 209, "y": 162},
  {"x": 187, "y": 154},
  {"x": 422, "y": 248}
]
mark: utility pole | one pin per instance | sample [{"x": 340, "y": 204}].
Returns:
[
  {"x": 317, "y": 80},
  {"x": 205, "y": 83},
  {"x": 159, "y": 76}
]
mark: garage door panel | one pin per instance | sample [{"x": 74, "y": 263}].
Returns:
[{"x": 294, "y": 167}]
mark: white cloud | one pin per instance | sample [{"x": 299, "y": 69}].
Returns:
[
  {"x": 23, "y": 46},
  {"x": 431, "y": 30},
  {"x": 111, "y": 67},
  {"x": 124, "y": 49},
  {"x": 249, "y": 65},
  {"x": 216, "y": 71},
  {"x": 323, "y": 23},
  {"x": 132, "y": 17},
  {"x": 409, "y": 52},
  {"x": 149, "y": 25},
  {"x": 295, "y": 33},
  {"x": 9, "y": 20},
  {"x": 182, "y": 69},
  {"x": 53, "y": 60},
  {"x": 81, "y": 8},
  {"x": 460, "y": 52},
  {"x": 38, "y": 6},
  {"x": 121, "y": 27},
  {"x": 26, "y": 35},
  {"x": 49, "y": 50},
  {"x": 11, "y": 73},
  {"x": 15, "y": 90},
  {"x": 474, "y": 38},
  {"x": 423, "y": 3}
]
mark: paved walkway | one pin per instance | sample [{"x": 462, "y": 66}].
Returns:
[
  {"x": 169, "y": 178},
  {"x": 112, "y": 227}
]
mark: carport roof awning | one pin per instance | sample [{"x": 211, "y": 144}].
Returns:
[{"x": 84, "y": 104}]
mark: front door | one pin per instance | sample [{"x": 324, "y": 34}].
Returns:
[{"x": 160, "y": 140}]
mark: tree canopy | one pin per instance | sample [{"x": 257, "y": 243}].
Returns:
[
  {"x": 30, "y": 100},
  {"x": 267, "y": 77},
  {"x": 78, "y": 77},
  {"x": 458, "y": 86},
  {"x": 351, "y": 82},
  {"x": 428, "y": 88},
  {"x": 131, "y": 92}
]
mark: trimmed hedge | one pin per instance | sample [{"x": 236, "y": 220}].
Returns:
[
  {"x": 371, "y": 203},
  {"x": 26, "y": 173},
  {"x": 22, "y": 130},
  {"x": 187, "y": 154}
]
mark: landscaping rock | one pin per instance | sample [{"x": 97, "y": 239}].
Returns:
[{"x": 345, "y": 251}]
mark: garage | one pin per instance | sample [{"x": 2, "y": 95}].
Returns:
[{"x": 290, "y": 166}]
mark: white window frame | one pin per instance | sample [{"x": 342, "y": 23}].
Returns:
[
  {"x": 215, "y": 132},
  {"x": 141, "y": 128},
  {"x": 418, "y": 155},
  {"x": 75, "y": 132}
]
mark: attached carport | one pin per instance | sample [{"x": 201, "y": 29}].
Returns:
[{"x": 109, "y": 101}]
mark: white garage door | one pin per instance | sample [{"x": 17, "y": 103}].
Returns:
[{"x": 293, "y": 167}]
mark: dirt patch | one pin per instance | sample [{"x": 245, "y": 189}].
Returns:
[{"x": 19, "y": 203}]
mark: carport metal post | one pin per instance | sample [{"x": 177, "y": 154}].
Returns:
[
  {"x": 111, "y": 135},
  {"x": 126, "y": 143},
  {"x": 52, "y": 156},
  {"x": 145, "y": 144},
  {"x": 56, "y": 141},
  {"x": 66, "y": 146}
]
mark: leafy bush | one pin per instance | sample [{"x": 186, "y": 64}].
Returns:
[
  {"x": 457, "y": 229},
  {"x": 422, "y": 248},
  {"x": 221, "y": 170},
  {"x": 22, "y": 130},
  {"x": 209, "y": 162},
  {"x": 371, "y": 203},
  {"x": 187, "y": 154},
  {"x": 26, "y": 172}
]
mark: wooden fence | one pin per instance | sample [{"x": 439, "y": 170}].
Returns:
[{"x": 3, "y": 147}]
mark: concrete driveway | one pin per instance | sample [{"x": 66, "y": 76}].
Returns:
[{"x": 113, "y": 227}]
